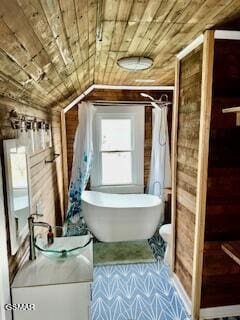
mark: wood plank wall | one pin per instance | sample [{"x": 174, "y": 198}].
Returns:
[
  {"x": 118, "y": 95},
  {"x": 46, "y": 179},
  {"x": 71, "y": 127},
  {"x": 187, "y": 162},
  {"x": 221, "y": 275}
]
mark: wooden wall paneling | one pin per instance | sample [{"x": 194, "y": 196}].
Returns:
[
  {"x": 11, "y": 73},
  {"x": 41, "y": 27},
  {"x": 151, "y": 10},
  {"x": 103, "y": 45},
  {"x": 206, "y": 104},
  {"x": 118, "y": 95},
  {"x": 14, "y": 48},
  {"x": 59, "y": 209},
  {"x": 174, "y": 160},
  {"x": 147, "y": 143},
  {"x": 35, "y": 53},
  {"x": 70, "y": 23},
  {"x": 134, "y": 16},
  {"x": 71, "y": 119},
  {"x": 106, "y": 94},
  {"x": 158, "y": 26},
  {"x": 45, "y": 179},
  {"x": 92, "y": 30},
  {"x": 59, "y": 82},
  {"x": 54, "y": 43},
  {"x": 55, "y": 21},
  {"x": 82, "y": 25},
  {"x": 102, "y": 48},
  {"x": 185, "y": 162}
]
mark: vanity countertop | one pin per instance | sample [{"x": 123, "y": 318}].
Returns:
[{"x": 45, "y": 271}]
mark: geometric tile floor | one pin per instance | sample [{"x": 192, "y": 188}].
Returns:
[{"x": 135, "y": 292}]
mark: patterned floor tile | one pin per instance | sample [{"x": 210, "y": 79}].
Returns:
[{"x": 135, "y": 292}]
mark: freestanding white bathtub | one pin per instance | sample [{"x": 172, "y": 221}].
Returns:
[{"x": 121, "y": 217}]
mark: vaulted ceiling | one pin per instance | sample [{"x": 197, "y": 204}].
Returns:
[{"x": 52, "y": 50}]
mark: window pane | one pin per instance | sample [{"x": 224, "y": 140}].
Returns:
[
  {"x": 116, "y": 168},
  {"x": 116, "y": 134}
]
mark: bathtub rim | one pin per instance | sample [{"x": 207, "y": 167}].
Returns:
[{"x": 159, "y": 201}]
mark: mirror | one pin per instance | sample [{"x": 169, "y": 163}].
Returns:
[{"x": 18, "y": 191}]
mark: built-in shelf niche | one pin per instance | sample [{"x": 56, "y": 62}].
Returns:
[
  {"x": 201, "y": 173},
  {"x": 233, "y": 110}
]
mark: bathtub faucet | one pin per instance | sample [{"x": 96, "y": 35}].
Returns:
[{"x": 31, "y": 225}]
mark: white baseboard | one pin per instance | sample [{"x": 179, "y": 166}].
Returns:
[
  {"x": 182, "y": 293},
  {"x": 219, "y": 312}
]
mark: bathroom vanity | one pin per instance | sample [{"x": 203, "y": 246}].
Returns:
[{"x": 55, "y": 288}]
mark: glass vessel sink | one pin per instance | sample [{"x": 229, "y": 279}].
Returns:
[{"x": 67, "y": 242}]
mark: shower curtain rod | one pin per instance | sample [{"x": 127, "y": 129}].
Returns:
[{"x": 147, "y": 103}]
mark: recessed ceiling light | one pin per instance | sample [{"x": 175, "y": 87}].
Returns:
[
  {"x": 135, "y": 63},
  {"x": 145, "y": 80}
]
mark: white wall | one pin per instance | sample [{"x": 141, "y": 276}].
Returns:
[{"x": 4, "y": 276}]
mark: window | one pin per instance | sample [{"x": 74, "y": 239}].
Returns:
[{"x": 118, "y": 149}]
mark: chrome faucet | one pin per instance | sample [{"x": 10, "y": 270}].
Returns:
[{"x": 31, "y": 225}]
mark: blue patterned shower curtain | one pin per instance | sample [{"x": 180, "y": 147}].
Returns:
[{"x": 82, "y": 162}]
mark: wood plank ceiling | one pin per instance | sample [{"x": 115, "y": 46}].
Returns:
[{"x": 49, "y": 52}]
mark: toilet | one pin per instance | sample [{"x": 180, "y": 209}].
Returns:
[{"x": 165, "y": 232}]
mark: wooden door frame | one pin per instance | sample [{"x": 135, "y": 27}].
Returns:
[
  {"x": 174, "y": 162},
  {"x": 207, "y": 39},
  {"x": 203, "y": 152}
]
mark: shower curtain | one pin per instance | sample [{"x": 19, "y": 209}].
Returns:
[
  {"x": 82, "y": 162},
  {"x": 160, "y": 172}
]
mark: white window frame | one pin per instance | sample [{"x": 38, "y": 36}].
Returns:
[{"x": 137, "y": 115}]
